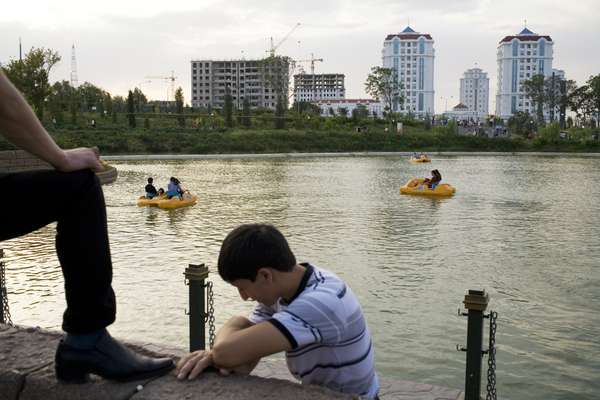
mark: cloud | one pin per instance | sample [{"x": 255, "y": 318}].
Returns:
[{"x": 120, "y": 43}]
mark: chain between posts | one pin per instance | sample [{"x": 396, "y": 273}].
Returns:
[
  {"x": 5, "y": 317},
  {"x": 491, "y": 373},
  {"x": 476, "y": 302},
  {"x": 210, "y": 315}
]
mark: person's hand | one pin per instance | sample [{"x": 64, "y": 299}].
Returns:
[
  {"x": 80, "y": 158},
  {"x": 194, "y": 363}
]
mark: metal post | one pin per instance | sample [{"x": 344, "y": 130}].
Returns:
[
  {"x": 195, "y": 275},
  {"x": 475, "y": 302}
]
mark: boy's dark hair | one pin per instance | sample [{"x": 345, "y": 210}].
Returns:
[
  {"x": 251, "y": 247},
  {"x": 150, "y": 180}
]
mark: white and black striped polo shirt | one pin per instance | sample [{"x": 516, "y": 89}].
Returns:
[{"x": 331, "y": 343}]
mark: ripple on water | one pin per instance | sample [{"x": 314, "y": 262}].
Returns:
[{"x": 511, "y": 228}]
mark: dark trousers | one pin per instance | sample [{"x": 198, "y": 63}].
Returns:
[{"x": 31, "y": 200}]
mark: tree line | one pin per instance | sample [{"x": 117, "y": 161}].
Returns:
[{"x": 550, "y": 95}]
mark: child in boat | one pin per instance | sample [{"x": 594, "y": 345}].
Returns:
[
  {"x": 174, "y": 188},
  {"x": 435, "y": 179},
  {"x": 150, "y": 189},
  {"x": 161, "y": 192}
]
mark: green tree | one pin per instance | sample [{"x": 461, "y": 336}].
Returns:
[
  {"x": 593, "y": 85},
  {"x": 108, "y": 103},
  {"x": 306, "y": 107},
  {"x": 118, "y": 104},
  {"x": 131, "y": 109},
  {"x": 31, "y": 76},
  {"x": 139, "y": 100},
  {"x": 343, "y": 111},
  {"x": 228, "y": 108},
  {"x": 535, "y": 89},
  {"x": 280, "y": 113},
  {"x": 179, "y": 107},
  {"x": 92, "y": 97},
  {"x": 382, "y": 83},
  {"x": 359, "y": 113},
  {"x": 60, "y": 100},
  {"x": 581, "y": 103},
  {"x": 521, "y": 123},
  {"x": 246, "y": 119}
]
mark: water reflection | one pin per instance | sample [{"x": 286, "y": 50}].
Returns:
[{"x": 516, "y": 227}]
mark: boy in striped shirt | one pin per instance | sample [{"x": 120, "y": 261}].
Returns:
[{"x": 304, "y": 310}]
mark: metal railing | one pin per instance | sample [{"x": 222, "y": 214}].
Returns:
[
  {"x": 476, "y": 302},
  {"x": 4, "y": 310},
  {"x": 201, "y": 306}
]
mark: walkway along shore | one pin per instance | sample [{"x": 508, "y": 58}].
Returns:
[
  {"x": 27, "y": 373},
  {"x": 150, "y": 157}
]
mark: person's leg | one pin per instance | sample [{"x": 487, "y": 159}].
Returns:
[{"x": 74, "y": 200}]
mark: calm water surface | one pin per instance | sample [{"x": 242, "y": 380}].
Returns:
[{"x": 524, "y": 228}]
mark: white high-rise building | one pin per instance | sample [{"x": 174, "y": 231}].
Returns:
[
  {"x": 475, "y": 93},
  {"x": 519, "y": 58},
  {"x": 411, "y": 55}
]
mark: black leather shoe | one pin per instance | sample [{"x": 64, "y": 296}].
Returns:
[{"x": 108, "y": 359}]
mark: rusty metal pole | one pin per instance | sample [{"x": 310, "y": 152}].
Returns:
[
  {"x": 475, "y": 302},
  {"x": 195, "y": 275}
]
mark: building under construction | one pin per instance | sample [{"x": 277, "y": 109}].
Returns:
[
  {"x": 315, "y": 87},
  {"x": 259, "y": 81}
]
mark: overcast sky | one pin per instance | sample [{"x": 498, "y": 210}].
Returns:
[{"x": 119, "y": 43}]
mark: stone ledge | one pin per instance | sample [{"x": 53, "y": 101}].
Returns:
[{"x": 27, "y": 373}]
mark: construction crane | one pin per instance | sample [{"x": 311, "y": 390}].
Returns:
[
  {"x": 276, "y": 46},
  {"x": 312, "y": 61},
  {"x": 171, "y": 78}
]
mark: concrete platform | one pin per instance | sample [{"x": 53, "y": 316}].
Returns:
[{"x": 27, "y": 373}]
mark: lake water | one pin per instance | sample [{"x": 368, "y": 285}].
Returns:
[{"x": 525, "y": 228}]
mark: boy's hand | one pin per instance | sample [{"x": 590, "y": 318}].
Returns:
[{"x": 193, "y": 364}]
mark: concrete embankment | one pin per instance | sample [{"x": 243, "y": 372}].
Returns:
[
  {"x": 19, "y": 160},
  {"x": 27, "y": 373}
]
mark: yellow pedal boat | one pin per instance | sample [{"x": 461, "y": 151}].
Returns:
[
  {"x": 168, "y": 204},
  {"x": 415, "y": 187},
  {"x": 420, "y": 160}
]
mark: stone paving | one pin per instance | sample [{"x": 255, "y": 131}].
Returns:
[{"x": 27, "y": 373}]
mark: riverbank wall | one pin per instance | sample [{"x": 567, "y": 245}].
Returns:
[
  {"x": 27, "y": 373},
  {"x": 19, "y": 160}
]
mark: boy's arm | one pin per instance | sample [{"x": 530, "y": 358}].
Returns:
[
  {"x": 242, "y": 342},
  {"x": 239, "y": 346},
  {"x": 235, "y": 323}
]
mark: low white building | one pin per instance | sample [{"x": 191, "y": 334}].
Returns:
[
  {"x": 335, "y": 107},
  {"x": 461, "y": 112}
]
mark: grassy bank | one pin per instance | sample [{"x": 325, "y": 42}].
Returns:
[{"x": 113, "y": 141}]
